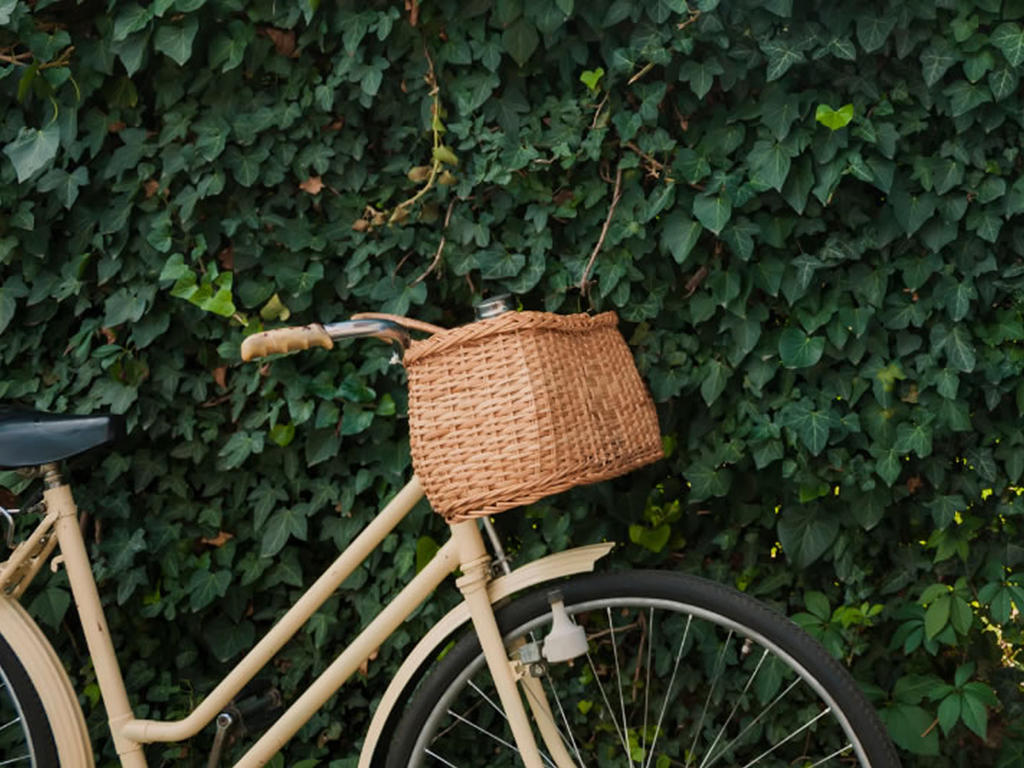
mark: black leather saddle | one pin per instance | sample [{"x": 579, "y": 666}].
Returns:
[{"x": 29, "y": 438}]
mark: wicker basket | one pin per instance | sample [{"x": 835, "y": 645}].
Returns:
[{"x": 505, "y": 411}]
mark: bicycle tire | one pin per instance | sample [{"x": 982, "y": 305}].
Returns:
[
  {"x": 762, "y": 653},
  {"x": 26, "y": 738}
]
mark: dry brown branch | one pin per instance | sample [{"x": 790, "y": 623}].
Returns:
[{"x": 616, "y": 194}]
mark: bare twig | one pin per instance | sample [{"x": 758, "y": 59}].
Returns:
[
  {"x": 644, "y": 70},
  {"x": 604, "y": 230},
  {"x": 695, "y": 281},
  {"x": 23, "y": 59},
  {"x": 597, "y": 113},
  {"x": 654, "y": 168},
  {"x": 440, "y": 246},
  {"x": 694, "y": 15},
  {"x": 16, "y": 58},
  {"x": 413, "y": 7}
]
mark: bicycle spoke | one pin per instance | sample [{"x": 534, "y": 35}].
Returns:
[
  {"x": 488, "y": 699},
  {"x": 801, "y": 729},
  {"x": 647, "y": 683},
  {"x": 16, "y": 760},
  {"x": 838, "y": 752},
  {"x": 494, "y": 736},
  {"x": 441, "y": 759},
  {"x": 604, "y": 696},
  {"x": 568, "y": 728},
  {"x": 739, "y": 699},
  {"x": 718, "y": 668},
  {"x": 753, "y": 722},
  {"x": 668, "y": 691},
  {"x": 5, "y": 726},
  {"x": 618, "y": 680}
]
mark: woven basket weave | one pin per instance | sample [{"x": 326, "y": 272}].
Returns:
[{"x": 505, "y": 411}]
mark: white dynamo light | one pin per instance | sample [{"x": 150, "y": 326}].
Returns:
[{"x": 567, "y": 639}]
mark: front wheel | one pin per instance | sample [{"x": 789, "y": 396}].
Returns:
[{"x": 679, "y": 671}]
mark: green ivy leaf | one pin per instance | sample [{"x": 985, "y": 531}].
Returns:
[
  {"x": 679, "y": 235},
  {"x": 700, "y": 75},
  {"x": 834, "y": 119},
  {"x": 769, "y": 163},
  {"x": 713, "y": 382},
  {"x": 279, "y": 528},
  {"x": 960, "y": 349},
  {"x": 713, "y": 211},
  {"x": 175, "y": 40},
  {"x": 872, "y": 31},
  {"x": 591, "y": 78},
  {"x": 781, "y": 55},
  {"x": 937, "y": 59},
  {"x": 33, "y": 149},
  {"x": 131, "y": 17},
  {"x": 8, "y": 306},
  {"x": 806, "y": 533},
  {"x": 798, "y": 350},
  {"x": 51, "y": 604},
  {"x": 6, "y": 9},
  {"x": 1009, "y": 38},
  {"x": 912, "y": 210},
  {"x": 206, "y": 586},
  {"x": 520, "y": 40},
  {"x": 887, "y": 465},
  {"x": 65, "y": 184},
  {"x": 706, "y": 481}
]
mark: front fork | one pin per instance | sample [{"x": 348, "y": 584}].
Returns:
[{"x": 476, "y": 573}]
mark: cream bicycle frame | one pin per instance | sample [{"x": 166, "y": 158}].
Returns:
[{"x": 464, "y": 551}]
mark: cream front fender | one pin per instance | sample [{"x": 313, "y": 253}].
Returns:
[
  {"x": 50, "y": 681},
  {"x": 579, "y": 560}
]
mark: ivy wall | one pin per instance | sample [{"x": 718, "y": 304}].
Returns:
[{"x": 807, "y": 215}]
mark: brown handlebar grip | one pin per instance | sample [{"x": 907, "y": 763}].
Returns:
[{"x": 285, "y": 340}]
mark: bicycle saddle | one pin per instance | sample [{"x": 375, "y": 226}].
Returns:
[{"x": 29, "y": 438}]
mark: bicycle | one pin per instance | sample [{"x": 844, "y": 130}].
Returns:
[{"x": 644, "y": 669}]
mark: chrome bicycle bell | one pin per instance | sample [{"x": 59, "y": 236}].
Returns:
[{"x": 494, "y": 306}]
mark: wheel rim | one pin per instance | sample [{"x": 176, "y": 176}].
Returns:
[
  {"x": 15, "y": 745},
  {"x": 664, "y": 684}
]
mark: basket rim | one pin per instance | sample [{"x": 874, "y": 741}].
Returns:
[{"x": 507, "y": 323}]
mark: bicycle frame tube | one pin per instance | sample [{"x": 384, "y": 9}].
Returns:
[
  {"x": 359, "y": 549},
  {"x": 129, "y": 733},
  {"x": 464, "y": 550}
]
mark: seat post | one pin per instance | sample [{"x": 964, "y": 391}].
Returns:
[{"x": 52, "y": 478}]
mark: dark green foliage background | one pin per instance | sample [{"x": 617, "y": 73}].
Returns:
[{"x": 828, "y": 314}]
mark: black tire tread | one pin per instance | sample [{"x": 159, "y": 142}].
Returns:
[{"x": 38, "y": 725}]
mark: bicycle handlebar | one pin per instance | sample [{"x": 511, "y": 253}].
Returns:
[{"x": 297, "y": 338}]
